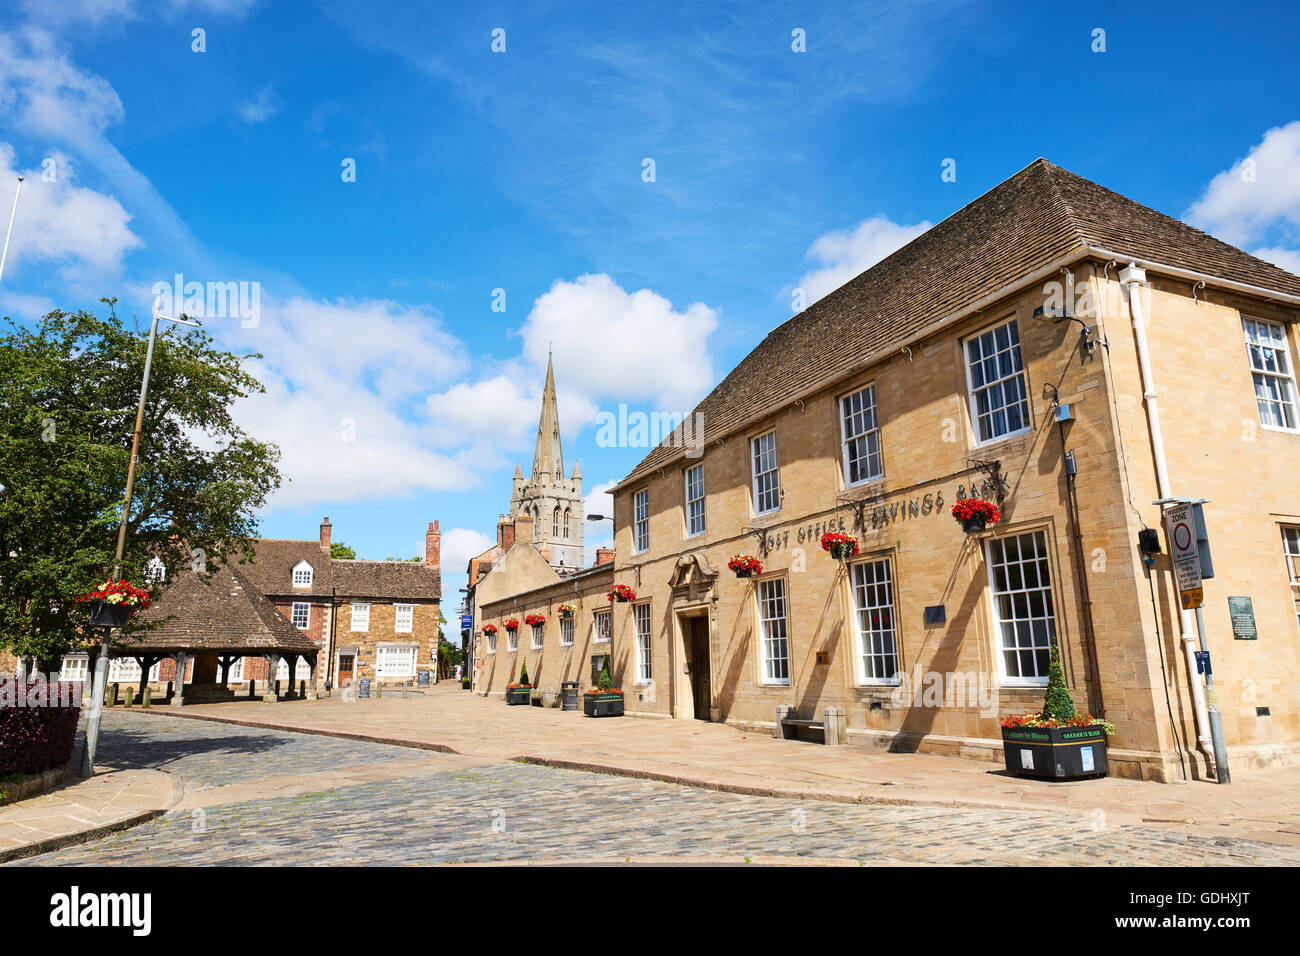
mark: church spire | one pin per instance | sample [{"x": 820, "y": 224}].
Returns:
[{"x": 549, "y": 457}]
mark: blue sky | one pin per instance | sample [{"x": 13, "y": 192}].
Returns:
[{"x": 396, "y": 391}]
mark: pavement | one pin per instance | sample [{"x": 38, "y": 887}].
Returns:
[
  {"x": 454, "y": 778},
  {"x": 1260, "y": 804}
]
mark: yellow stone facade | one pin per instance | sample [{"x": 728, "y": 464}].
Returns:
[{"x": 1215, "y": 447}]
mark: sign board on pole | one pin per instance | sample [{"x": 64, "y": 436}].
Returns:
[
  {"x": 466, "y": 622},
  {"x": 1184, "y": 554}
]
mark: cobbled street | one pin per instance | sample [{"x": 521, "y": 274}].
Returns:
[{"x": 433, "y": 810}]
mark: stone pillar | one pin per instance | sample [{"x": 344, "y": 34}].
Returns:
[
  {"x": 181, "y": 659},
  {"x": 272, "y": 665},
  {"x": 782, "y": 710},
  {"x": 312, "y": 661},
  {"x": 111, "y": 700},
  {"x": 836, "y": 724},
  {"x": 130, "y": 696},
  {"x": 293, "y": 670}
]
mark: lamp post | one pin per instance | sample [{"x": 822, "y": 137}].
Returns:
[
  {"x": 101, "y": 665},
  {"x": 12, "y": 213}
]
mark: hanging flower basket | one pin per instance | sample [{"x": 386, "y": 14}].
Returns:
[
  {"x": 566, "y": 611},
  {"x": 746, "y": 566},
  {"x": 532, "y": 620},
  {"x": 621, "y": 593},
  {"x": 839, "y": 546},
  {"x": 975, "y": 514},
  {"x": 489, "y": 629},
  {"x": 511, "y": 623},
  {"x": 114, "y": 603}
]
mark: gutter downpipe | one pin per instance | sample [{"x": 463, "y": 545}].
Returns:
[{"x": 1132, "y": 278}]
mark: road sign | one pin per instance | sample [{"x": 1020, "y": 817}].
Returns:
[
  {"x": 1183, "y": 552},
  {"x": 466, "y": 622}
]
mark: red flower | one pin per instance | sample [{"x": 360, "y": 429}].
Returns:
[
  {"x": 511, "y": 623},
  {"x": 532, "y": 620},
  {"x": 835, "y": 541},
  {"x": 746, "y": 562},
  {"x": 967, "y": 508},
  {"x": 621, "y": 592}
]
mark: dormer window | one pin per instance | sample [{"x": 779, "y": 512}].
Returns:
[
  {"x": 302, "y": 575},
  {"x": 155, "y": 572}
]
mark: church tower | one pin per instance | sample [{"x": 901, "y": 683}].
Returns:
[{"x": 554, "y": 501}]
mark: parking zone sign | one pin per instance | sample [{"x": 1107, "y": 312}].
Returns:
[{"x": 1186, "y": 558}]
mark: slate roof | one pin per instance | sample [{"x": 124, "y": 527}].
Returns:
[
  {"x": 225, "y": 612},
  {"x": 399, "y": 580},
  {"x": 271, "y": 570},
  {"x": 1024, "y": 224}
]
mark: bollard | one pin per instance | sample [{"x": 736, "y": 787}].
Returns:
[
  {"x": 130, "y": 695},
  {"x": 147, "y": 697},
  {"x": 112, "y": 695},
  {"x": 252, "y": 689},
  {"x": 836, "y": 726}
]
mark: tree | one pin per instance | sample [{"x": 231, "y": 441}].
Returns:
[
  {"x": 523, "y": 674},
  {"x": 1057, "y": 702},
  {"x": 340, "y": 550},
  {"x": 68, "y": 391},
  {"x": 605, "y": 681}
]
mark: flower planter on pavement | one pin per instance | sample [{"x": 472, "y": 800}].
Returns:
[
  {"x": 519, "y": 695},
  {"x": 603, "y": 705},
  {"x": 1055, "y": 753}
]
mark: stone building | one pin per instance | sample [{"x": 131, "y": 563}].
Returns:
[
  {"x": 376, "y": 620},
  {"x": 1015, "y": 351},
  {"x": 553, "y": 501}
]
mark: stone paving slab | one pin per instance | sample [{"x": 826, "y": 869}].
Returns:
[
  {"x": 1261, "y": 803},
  {"x": 84, "y": 809}
]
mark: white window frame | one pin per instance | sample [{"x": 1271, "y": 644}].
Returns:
[
  {"x": 1280, "y": 372},
  {"x": 1024, "y": 614},
  {"x": 305, "y": 606},
  {"x": 126, "y": 670},
  {"x": 601, "y": 623},
  {"x": 74, "y": 667},
  {"x": 403, "y": 626},
  {"x": 867, "y": 431},
  {"x": 644, "y": 643},
  {"x": 695, "y": 513},
  {"x": 756, "y": 460},
  {"x": 360, "y": 617},
  {"x": 491, "y": 642},
  {"x": 303, "y": 575},
  {"x": 1015, "y": 349},
  {"x": 774, "y": 625},
  {"x": 512, "y": 640},
  {"x": 641, "y": 521},
  {"x": 1291, "y": 550},
  {"x": 384, "y": 654},
  {"x": 155, "y": 571},
  {"x": 539, "y": 636},
  {"x": 566, "y": 631},
  {"x": 235, "y": 673},
  {"x": 877, "y": 635}
]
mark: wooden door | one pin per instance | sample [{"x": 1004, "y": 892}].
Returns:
[
  {"x": 700, "y": 688},
  {"x": 346, "y": 662}
]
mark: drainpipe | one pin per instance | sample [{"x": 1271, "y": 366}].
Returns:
[{"x": 1132, "y": 279}]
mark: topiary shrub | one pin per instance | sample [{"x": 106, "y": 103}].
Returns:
[
  {"x": 1057, "y": 703},
  {"x": 523, "y": 675},
  {"x": 605, "y": 681}
]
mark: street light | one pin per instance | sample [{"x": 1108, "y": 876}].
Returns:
[{"x": 101, "y": 665}]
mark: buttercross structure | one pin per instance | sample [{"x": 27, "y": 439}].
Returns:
[{"x": 553, "y": 501}]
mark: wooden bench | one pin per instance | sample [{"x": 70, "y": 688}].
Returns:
[{"x": 788, "y": 724}]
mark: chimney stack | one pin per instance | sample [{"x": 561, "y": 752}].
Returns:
[
  {"x": 604, "y": 556},
  {"x": 505, "y": 534},
  {"x": 325, "y": 535},
  {"x": 524, "y": 528},
  {"x": 433, "y": 546}
]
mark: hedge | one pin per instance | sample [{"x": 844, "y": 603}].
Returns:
[{"x": 33, "y": 739}]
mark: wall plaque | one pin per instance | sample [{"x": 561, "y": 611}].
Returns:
[{"x": 1242, "y": 613}]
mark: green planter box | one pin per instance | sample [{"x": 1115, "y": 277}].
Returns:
[
  {"x": 1055, "y": 753},
  {"x": 519, "y": 695},
  {"x": 603, "y": 705}
]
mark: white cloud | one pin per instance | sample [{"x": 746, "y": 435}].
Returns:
[
  {"x": 497, "y": 408},
  {"x": 599, "y": 534},
  {"x": 1288, "y": 259},
  {"x": 844, "y": 254},
  {"x": 632, "y": 345},
  {"x": 26, "y": 307},
  {"x": 1255, "y": 193},
  {"x": 459, "y": 545},
  {"x": 260, "y": 108},
  {"x": 96, "y": 12},
  {"x": 344, "y": 399},
  {"x": 60, "y": 221}
]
